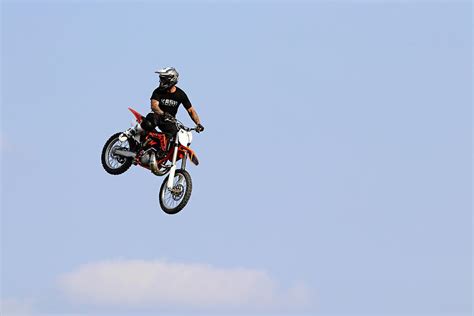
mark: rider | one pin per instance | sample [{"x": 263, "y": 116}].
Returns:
[{"x": 165, "y": 101}]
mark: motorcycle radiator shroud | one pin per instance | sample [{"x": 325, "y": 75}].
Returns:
[{"x": 185, "y": 138}]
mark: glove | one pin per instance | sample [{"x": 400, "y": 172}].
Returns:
[{"x": 199, "y": 128}]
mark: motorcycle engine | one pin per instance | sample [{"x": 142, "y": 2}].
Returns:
[
  {"x": 160, "y": 154},
  {"x": 145, "y": 159}
]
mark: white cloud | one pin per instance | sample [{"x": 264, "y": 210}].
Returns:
[
  {"x": 139, "y": 283},
  {"x": 11, "y": 306}
]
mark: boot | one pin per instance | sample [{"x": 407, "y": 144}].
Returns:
[{"x": 134, "y": 131}]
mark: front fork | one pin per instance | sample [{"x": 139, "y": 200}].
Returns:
[{"x": 172, "y": 172}]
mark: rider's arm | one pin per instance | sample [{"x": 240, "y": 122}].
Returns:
[
  {"x": 191, "y": 111},
  {"x": 193, "y": 114},
  {"x": 156, "y": 108}
]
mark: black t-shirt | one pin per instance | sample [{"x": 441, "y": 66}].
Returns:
[{"x": 169, "y": 102}]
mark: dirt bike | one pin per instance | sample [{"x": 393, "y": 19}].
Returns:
[{"x": 159, "y": 153}]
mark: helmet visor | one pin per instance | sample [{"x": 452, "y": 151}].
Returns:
[
  {"x": 165, "y": 78},
  {"x": 166, "y": 81}
]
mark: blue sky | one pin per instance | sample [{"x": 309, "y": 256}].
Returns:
[{"x": 335, "y": 174}]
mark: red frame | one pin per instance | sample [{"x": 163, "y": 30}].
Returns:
[{"x": 163, "y": 141}]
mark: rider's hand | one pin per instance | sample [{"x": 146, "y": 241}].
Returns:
[{"x": 199, "y": 128}]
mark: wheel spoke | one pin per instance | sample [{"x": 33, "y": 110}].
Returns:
[
  {"x": 172, "y": 199},
  {"x": 114, "y": 161}
]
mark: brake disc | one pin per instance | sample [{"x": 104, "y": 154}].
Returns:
[{"x": 177, "y": 191}]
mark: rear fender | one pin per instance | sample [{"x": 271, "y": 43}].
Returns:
[{"x": 137, "y": 115}]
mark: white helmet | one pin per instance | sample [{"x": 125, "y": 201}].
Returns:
[{"x": 168, "y": 77}]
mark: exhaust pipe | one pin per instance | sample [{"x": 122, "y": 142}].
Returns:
[
  {"x": 154, "y": 166},
  {"x": 125, "y": 153},
  {"x": 153, "y": 163}
]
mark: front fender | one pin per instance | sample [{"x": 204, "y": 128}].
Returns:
[{"x": 190, "y": 153}]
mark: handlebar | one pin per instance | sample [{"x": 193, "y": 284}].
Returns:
[{"x": 179, "y": 124}]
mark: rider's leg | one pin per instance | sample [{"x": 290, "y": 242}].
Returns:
[
  {"x": 148, "y": 124},
  {"x": 169, "y": 128}
]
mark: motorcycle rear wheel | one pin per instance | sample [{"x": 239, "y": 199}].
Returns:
[
  {"x": 174, "y": 200},
  {"x": 115, "y": 164}
]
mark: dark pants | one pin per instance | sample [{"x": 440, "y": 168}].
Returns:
[{"x": 154, "y": 120}]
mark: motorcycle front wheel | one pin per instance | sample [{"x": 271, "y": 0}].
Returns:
[
  {"x": 174, "y": 200},
  {"x": 115, "y": 164}
]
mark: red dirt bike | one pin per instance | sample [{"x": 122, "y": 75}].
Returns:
[{"x": 159, "y": 153}]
